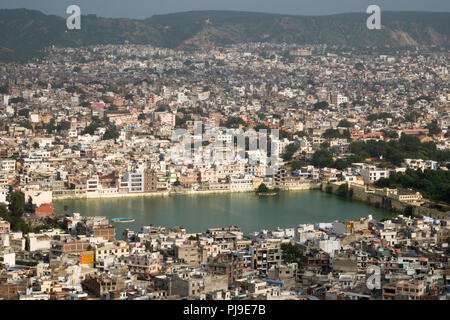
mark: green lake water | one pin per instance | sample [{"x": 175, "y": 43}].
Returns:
[{"x": 248, "y": 211}]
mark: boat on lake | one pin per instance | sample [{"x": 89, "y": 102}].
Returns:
[{"x": 123, "y": 220}]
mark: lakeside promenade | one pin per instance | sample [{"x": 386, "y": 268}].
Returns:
[{"x": 303, "y": 187}]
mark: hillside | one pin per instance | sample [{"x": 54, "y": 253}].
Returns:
[
  {"x": 24, "y": 32},
  {"x": 399, "y": 29}
]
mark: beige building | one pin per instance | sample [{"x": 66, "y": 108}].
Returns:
[
  {"x": 5, "y": 226},
  {"x": 192, "y": 255},
  {"x": 117, "y": 249}
]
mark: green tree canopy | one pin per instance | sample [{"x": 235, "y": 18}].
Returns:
[
  {"x": 111, "y": 134},
  {"x": 263, "y": 188},
  {"x": 345, "y": 124},
  {"x": 322, "y": 158}
]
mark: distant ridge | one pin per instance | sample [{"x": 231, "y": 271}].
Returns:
[{"x": 23, "y": 33}]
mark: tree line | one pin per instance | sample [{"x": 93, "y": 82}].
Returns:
[{"x": 432, "y": 184}]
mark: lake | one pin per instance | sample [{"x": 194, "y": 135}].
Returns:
[{"x": 199, "y": 212}]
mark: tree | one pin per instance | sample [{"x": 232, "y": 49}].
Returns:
[
  {"x": 391, "y": 134},
  {"x": 322, "y": 158},
  {"x": 4, "y": 213},
  {"x": 234, "y": 122},
  {"x": 432, "y": 184},
  {"x": 297, "y": 164},
  {"x": 433, "y": 128},
  {"x": 334, "y": 133},
  {"x": 359, "y": 66},
  {"x": 301, "y": 133},
  {"x": 16, "y": 202},
  {"x": 29, "y": 207},
  {"x": 197, "y": 110},
  {"x": 325, "y": 145},
  {"x": 320, "y": 105},
  {"x": 261, "y": 115},
  {"x": 26, "y": 124},
  {"x": 4, "y": 89},
  {"x": 142, "y": 116},
  {"x": 111, "y": 134},
  {"x": 90, "y": 129},
  {"x": 344, "y": 124},
  {"x": 343, "y": 191},
  {"x": 377, "y": 116},
  {"x": 263, "y": 188},
  {"x": 411, "y": 117},
  {"x": 180, "y": 121},
  {"x": 341, "y": 164},
  {"x": 409, "y": 142},
  {"x": 36, "y": 145},
  {"x": 17, "y": 100},
  {"x": 24, "y": 112},
  {"x": 15, "y": 212},
  {"x": 408, "y": 211},
  {"x": 290, "y": 253},
  {"x": 408, "y": 146},
  {"x": 290, "y": 150}
]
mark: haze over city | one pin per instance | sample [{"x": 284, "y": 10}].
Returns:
[{"x": 141, "y": 9}]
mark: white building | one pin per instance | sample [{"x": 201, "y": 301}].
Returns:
[
  {"x": 39, "y": 197},
  {"x": 8, "y": 257},
  {"x": 8, "y": 165},
  {"x": 416, "y": 164},
  {"x": 242, "y": 183},
  {"x": 3, "y": 194},
  {"x": 37, "y": 242},
  {"x": 135, "y": 182},
  {"x": 371, "y": 173}
]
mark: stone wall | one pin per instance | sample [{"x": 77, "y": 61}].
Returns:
[{"x": 377, "y": 199}]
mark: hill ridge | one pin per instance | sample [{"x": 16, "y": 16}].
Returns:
[{"x": 23, "y": 32}]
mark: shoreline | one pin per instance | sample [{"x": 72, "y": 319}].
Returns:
[
  {"x": 375, "y": 200},
  {"x": 306, "y": 187},
  {"x": 172, "y": 193}
]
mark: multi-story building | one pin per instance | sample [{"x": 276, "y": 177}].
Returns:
[
  {"x": 265, "y": 255},
  {"x": 59, "y": 247},
  {"x": 106, "y": 231},
  {"x": 5, "y": 226},
  {"x": 145, "y": 263},
  {"x": 404, "y": 289},
  {"x": 150, "y": 181},
  {"x": 416, "y": 164},
  {"x": 192, "y": 255},
  {"x": 117, "y": 249},
  {"x": 8, "y": 165},
  {"x": 371, "y": 173}
]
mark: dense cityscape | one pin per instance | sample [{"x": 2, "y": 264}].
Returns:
[{"x": 101, "y": 122}]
